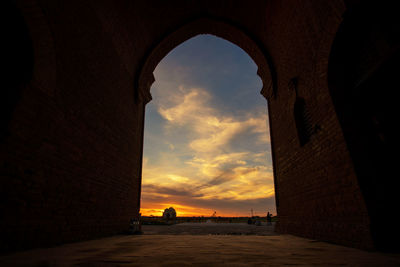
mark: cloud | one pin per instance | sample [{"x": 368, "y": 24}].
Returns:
[
  {"x": 238, "y": 182},
  {"x": 203, "y": 164},
  {"x": 169, "y": 191},
  {"x": 211, "y": 130},
  {"x": 206, "y": 136},
  {"x": 200, "y": 206},
  {"x": 190, "y": 105}
]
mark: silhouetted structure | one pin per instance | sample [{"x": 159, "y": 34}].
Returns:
[
  {"x": 269, "y": 219},
  {"x": 169, "y": 214}
]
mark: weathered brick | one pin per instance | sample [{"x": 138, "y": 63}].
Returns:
[{"x": 71, "y": 159}]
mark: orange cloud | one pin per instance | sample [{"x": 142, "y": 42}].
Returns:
[
  {"x": 157, "y": 209},
  {"x": 213, "y": 169}
]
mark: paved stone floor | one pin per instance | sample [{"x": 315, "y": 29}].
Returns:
[
  {"x": 210, "y": 228},
  {"x": 199, "y": 250}
]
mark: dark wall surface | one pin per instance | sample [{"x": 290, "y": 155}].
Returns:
[{"x": 72, "y": 136}]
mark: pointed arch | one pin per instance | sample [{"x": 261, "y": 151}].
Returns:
[{"x": 145, "y": 78}]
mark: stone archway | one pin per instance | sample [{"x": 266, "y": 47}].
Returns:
[
  {"x": 88, "y": 57},
  {"x": 145, "y": 78}
]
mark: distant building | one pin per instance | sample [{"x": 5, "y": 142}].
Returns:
[{"x": 169, "y": 214}]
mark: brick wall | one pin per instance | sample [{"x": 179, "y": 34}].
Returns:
[
  {"x": 319, "y": 196},
  {"x": 70, "y": 166}
]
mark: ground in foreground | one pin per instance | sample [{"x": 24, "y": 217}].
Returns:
[{"x": 199, "y": 250}]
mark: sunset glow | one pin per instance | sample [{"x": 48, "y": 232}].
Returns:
[{"x": 207, "y": 145}]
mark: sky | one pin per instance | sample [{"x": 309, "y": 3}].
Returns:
[{"x": 206, "y": 139}]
